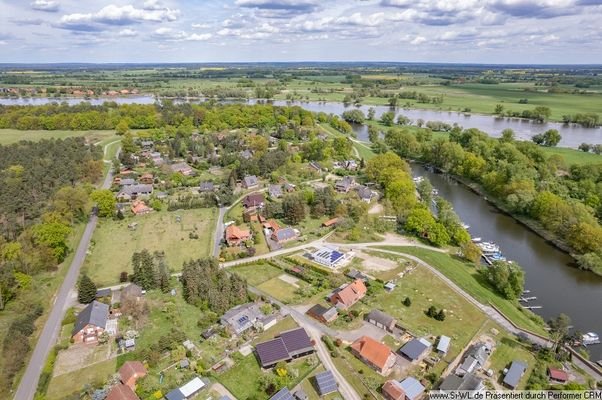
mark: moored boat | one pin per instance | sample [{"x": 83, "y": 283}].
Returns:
[{"x": 590, "y": 338}]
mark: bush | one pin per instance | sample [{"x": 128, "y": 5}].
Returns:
[{"x": 407, "y": 302}]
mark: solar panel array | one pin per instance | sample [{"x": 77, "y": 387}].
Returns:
[
  {"x": 283, "y": 394},
  {"x": 326, "y": 383}
]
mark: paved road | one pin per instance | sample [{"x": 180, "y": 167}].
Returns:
[
  {"x": 219, "y": 231},
  {"x": 29, "y": 382}
]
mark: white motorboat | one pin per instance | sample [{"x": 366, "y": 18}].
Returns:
[
  {"x": 489, "y": 247},
  {"x": 476, "y": 239},
  {"x": 590, "y": 338}
]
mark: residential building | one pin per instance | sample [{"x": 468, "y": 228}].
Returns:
[
  {"x": 282, "y": 394},
  {"x": 284, "y": 235},
  {"x": 127, "y": 182},
  {"x": 187, "y": 391},
  {"x": 121, "y": 392},
  {"x": 300, "y": 394},
  {"x": 323, "y": 314},
  {"x": 348, "y": 295},
  {"x": 325, "y": 383},
  {"x": 182, "y": 168},
  {"x": 139, "y": 207},
  {"x": 287, "y": 346},
  {"x": 132, "y": 290},
  {"x": 250, "y": 182},
  {"x": 132, "y": 192},
  {"x": 275, "y": 191},
  {"x": 147, "y": 178},
  {"x": 254, "y": 200},
  {"x": 366, "y": 194},
  {"x": 355, "y": 274},
  {"x": 474, "y": 359},
  {"x": 242, "y": 317},
  {"x": 90, "y": 323},
  {"x": 392, "y": 390},
  {"x": 415, "y": 349},
  {"x": 468, "y": 382},
  {"x": 515, "y": 373},
  {"x": 412, "y": 388},
  {"x": 130, "y": 372},
  {"x": 330, "y": 222},
  {"x": 345, "y": 185},
  {"x": 207, "y": 187},
  {"x": 381, "y": 320},
  {"x": 373, "y": 353},
  {"x": 315, "y": 166},
  {"x": 443, "y": 345},
  {"x": 100, "y": 293},
  {"x": 236, "y": 236},
  {"x": 558, "y": 375},
  {"x": 330, "y": 258}
]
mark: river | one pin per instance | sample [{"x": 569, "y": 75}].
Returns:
[
  {"x": 549, "y": 273},
  {"x": 572, "y": 135}
]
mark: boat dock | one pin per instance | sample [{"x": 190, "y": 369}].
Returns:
[
  {"x": 532, "y": 307},
  {"x": 527, "y": 299}
]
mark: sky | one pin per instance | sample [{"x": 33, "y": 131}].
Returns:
[{"x": 454, "y": 31}]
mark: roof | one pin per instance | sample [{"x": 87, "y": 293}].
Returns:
[
  {"x": 325, "y": 383},
  {"x": 131, "y": 369},
  {"x": 479, "y": 352},
  {"x": 253, "y": 200},
  {"x": 393, "y": 390},
  {"x": 558, "y": 374},
  {"x": 330, "y": 222},
  {"x": 321, "y": 311},
  {"x": 103, "y": 292},
  {"x": 127, "y": 182},
  {"x": 206, "y": 186},
  {"x": 250, "y": 180},
  {"x": 121, "y": 392},
  {"x": 516, "y": 371},
  {"x": 282, "y": 394},
  {"x": 296, "y": 340},
  {"x": 234, "y": 232},
  {"x": 414, "y": 348},
  {"x": 192, "y": 387},
  {"x": 181, "y": 166},
  {"x": 136, "y": 189},
  {"x": 332, "y": 256},
  {"x": 272, "y": 351},
  {"x": 381, "y": 317},
  {"x": 352, "y": 292},
  {"x": 242, "y": 317},
  {"x": 365, "y": 192},
  {"x": 175, "y": 395},
  {"x": 300, "y": 394},
  {"x": 467, "y": 382},
  {"x": 443, "y": 345},
  {"x": 412, "y": 387},
  {"x": 375, "y": 352},
  {"x": 132, "y": 290},
  {"x": 285, "y": 234},
  {"x": 345, "y": 183},
  {"x": 95, "y": 313},
  {"x": 275, "y": 190}
]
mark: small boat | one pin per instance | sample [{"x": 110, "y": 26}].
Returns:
[
  {"x": 489, "y": 247},
  {"x": 497, "y": 257},
  {"x": 465, "y": 226},
  {"x": 526, "y": 291},
  {"x": 418, "y": 179},
  {"x": 590, "y": 338},
  {"x": 476, "y": 239},
  {"x": 435, "y": 192}
]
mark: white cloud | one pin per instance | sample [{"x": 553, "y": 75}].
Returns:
[
  {"x": 116, "y": 15},
  {"x": 201, "y": 26},
  {"x": 418, "y": 40},
  {"x": 45, "y": 5},
  {"x": 128, "y": 33},
  {"x": 170, "y": 34}
]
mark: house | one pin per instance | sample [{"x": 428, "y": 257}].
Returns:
[
  {"x": 315, "y": 166},
  {"x": 130, "y": 372},
  {"x": 558, "y": 375},
  {"x": 300, "y": 395},
  {"x": 207, "y": 187},
  {"x": 381, "y": 320},
  {"x": 392, "y": 390},
  {"x": 254, "y": 200},
  {"x": 271, "y": 225},
  {"x": 100, "y": 293},
  {"x": 132, "y": 192},
  {"x": 147, "y": 178},
  {"x": 139, "y": 207},
  {"x": 468, "y": 382},
  {"x": 282, "y": 394},
  {"x": 187, "y": 391},
  {"x": 389, "y": 286},
  {"x": 284, "y": 235},
  {"x": 330, "y": 222},
  {"x": 355, "y": 274},
  {"x": 90, "y": 323},
  {"x": 515, "y": 372},
  {"x": 443, "y": 345},
  {"x": 275, "y": 191},
  {"x": 121, "y": 392},
  {"x": 366, "y": 194},
  {"x": 375, "y": 354},
  {"x": 184, "y": 363},
  {"x": 325, "y": 383},
  {"x": 250, "y": 182},
  {"x": 156, "y": 158},
  {"x": 236, "y": 236},
  {"x": 474, "y": 359},
  {"x": 348, "y": 295},
  {"x": 127, "y": 182},
  {"x": 287, "y": 346},
  {"x": 323, "y": 314},
  {"x": 242, "y": 317},
  {"x": 412, "y": 388},
  {"x": 131, "y": 291},
  {"x": 344, "y": 185},
  {"x": 330, "y": 257},
  {"x": 350, "y": 165},
  {"x": 415, "y": 349},
  {"x": 182, "y": 168}
]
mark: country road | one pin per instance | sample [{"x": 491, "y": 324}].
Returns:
[{"x": 29, "y": 381}]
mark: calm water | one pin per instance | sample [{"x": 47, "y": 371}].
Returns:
[
  {"x": 572, "y": 135},
  {"x": 559, "y": 287}
]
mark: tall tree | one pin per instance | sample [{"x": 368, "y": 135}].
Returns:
[{"x": 86, "y": 290}]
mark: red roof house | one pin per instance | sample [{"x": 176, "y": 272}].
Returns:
[
  {"x": 391, "y": 390},
  {"x": 558, "y": 375},
  {"x": 236, "y": 236},
  {"x": 130, "y": 372},
  {"x": 122, "y": 392},
  {"x": 373, "y": 353},
  {"x": 349, "y": 295}
]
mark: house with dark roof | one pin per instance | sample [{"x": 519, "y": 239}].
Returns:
[
  {"x": 254, "y": 200},
  {"x": 282, "y": 394},
  {"x": 132, "y": 192},
  {"x": 366, "y": 194},
  {"x": 415, "y": 349},
  {"x": 381, "y": 320},
  {"x": 90, "y": 323},
  {"x": 515, "y": 373},
  {"x": 344, "y": 185},
  {"x": 376, "y": 355},
  {"x": 348, "y": 295},
  {"x": 182, "y": 168},
  {"x": 474, "y": 359},
  {"x": 287, "y": 346},
  {"x": 242, "y": 317},
  {"x": 469, "y": 382},
  {"x": 284, "y": 235},
  {"x": 130, "y": 372},
  {"x": 186, "y": 391},
  {"x": 250, "y": 182},
  {"x": 275, "y": 191},
  {"x": 323, "y": 314},
  {"x": 315, "y": 166},
  {"x": 325, "y": 383},
  {"x": 206, "y": 187},
  {"x": 127, "y": 182},
  {"x": 100, "y": 293},
  {"x": 355, "y": 274}
]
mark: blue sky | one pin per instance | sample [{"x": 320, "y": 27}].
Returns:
[{"x": 480, "y": 31}]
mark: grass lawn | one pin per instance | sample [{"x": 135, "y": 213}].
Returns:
[
  {"x": 308, "y": 386},
  {"x": 468, "y": 278},
  {"x": 257, "y": 273},
  {"x": 281, "y": 290},
  {"x": 349, "y": 366},
  {"x": 572, "y": 156},
  {"x": 8, "y": 136},
  {"x": 64, "y": 385},
  {"x": 114, "y": 243},
  {"x": 507, "y": 350}
]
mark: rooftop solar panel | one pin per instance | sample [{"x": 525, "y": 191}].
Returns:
[
  {"x": 326, "y": 383},
  {"x": 282, "y": 394}
]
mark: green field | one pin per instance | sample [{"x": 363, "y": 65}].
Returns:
[
  {"x": 572, "y": 156},
  {"x": 65, "y": 385},
  {"x": 257, "y": 273},
  {"x": 114, "y": 243},
  {"x": 507, "y": 350},
  {"x": 8, "y": 136},
  {"x": 469, "y": 279}
]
